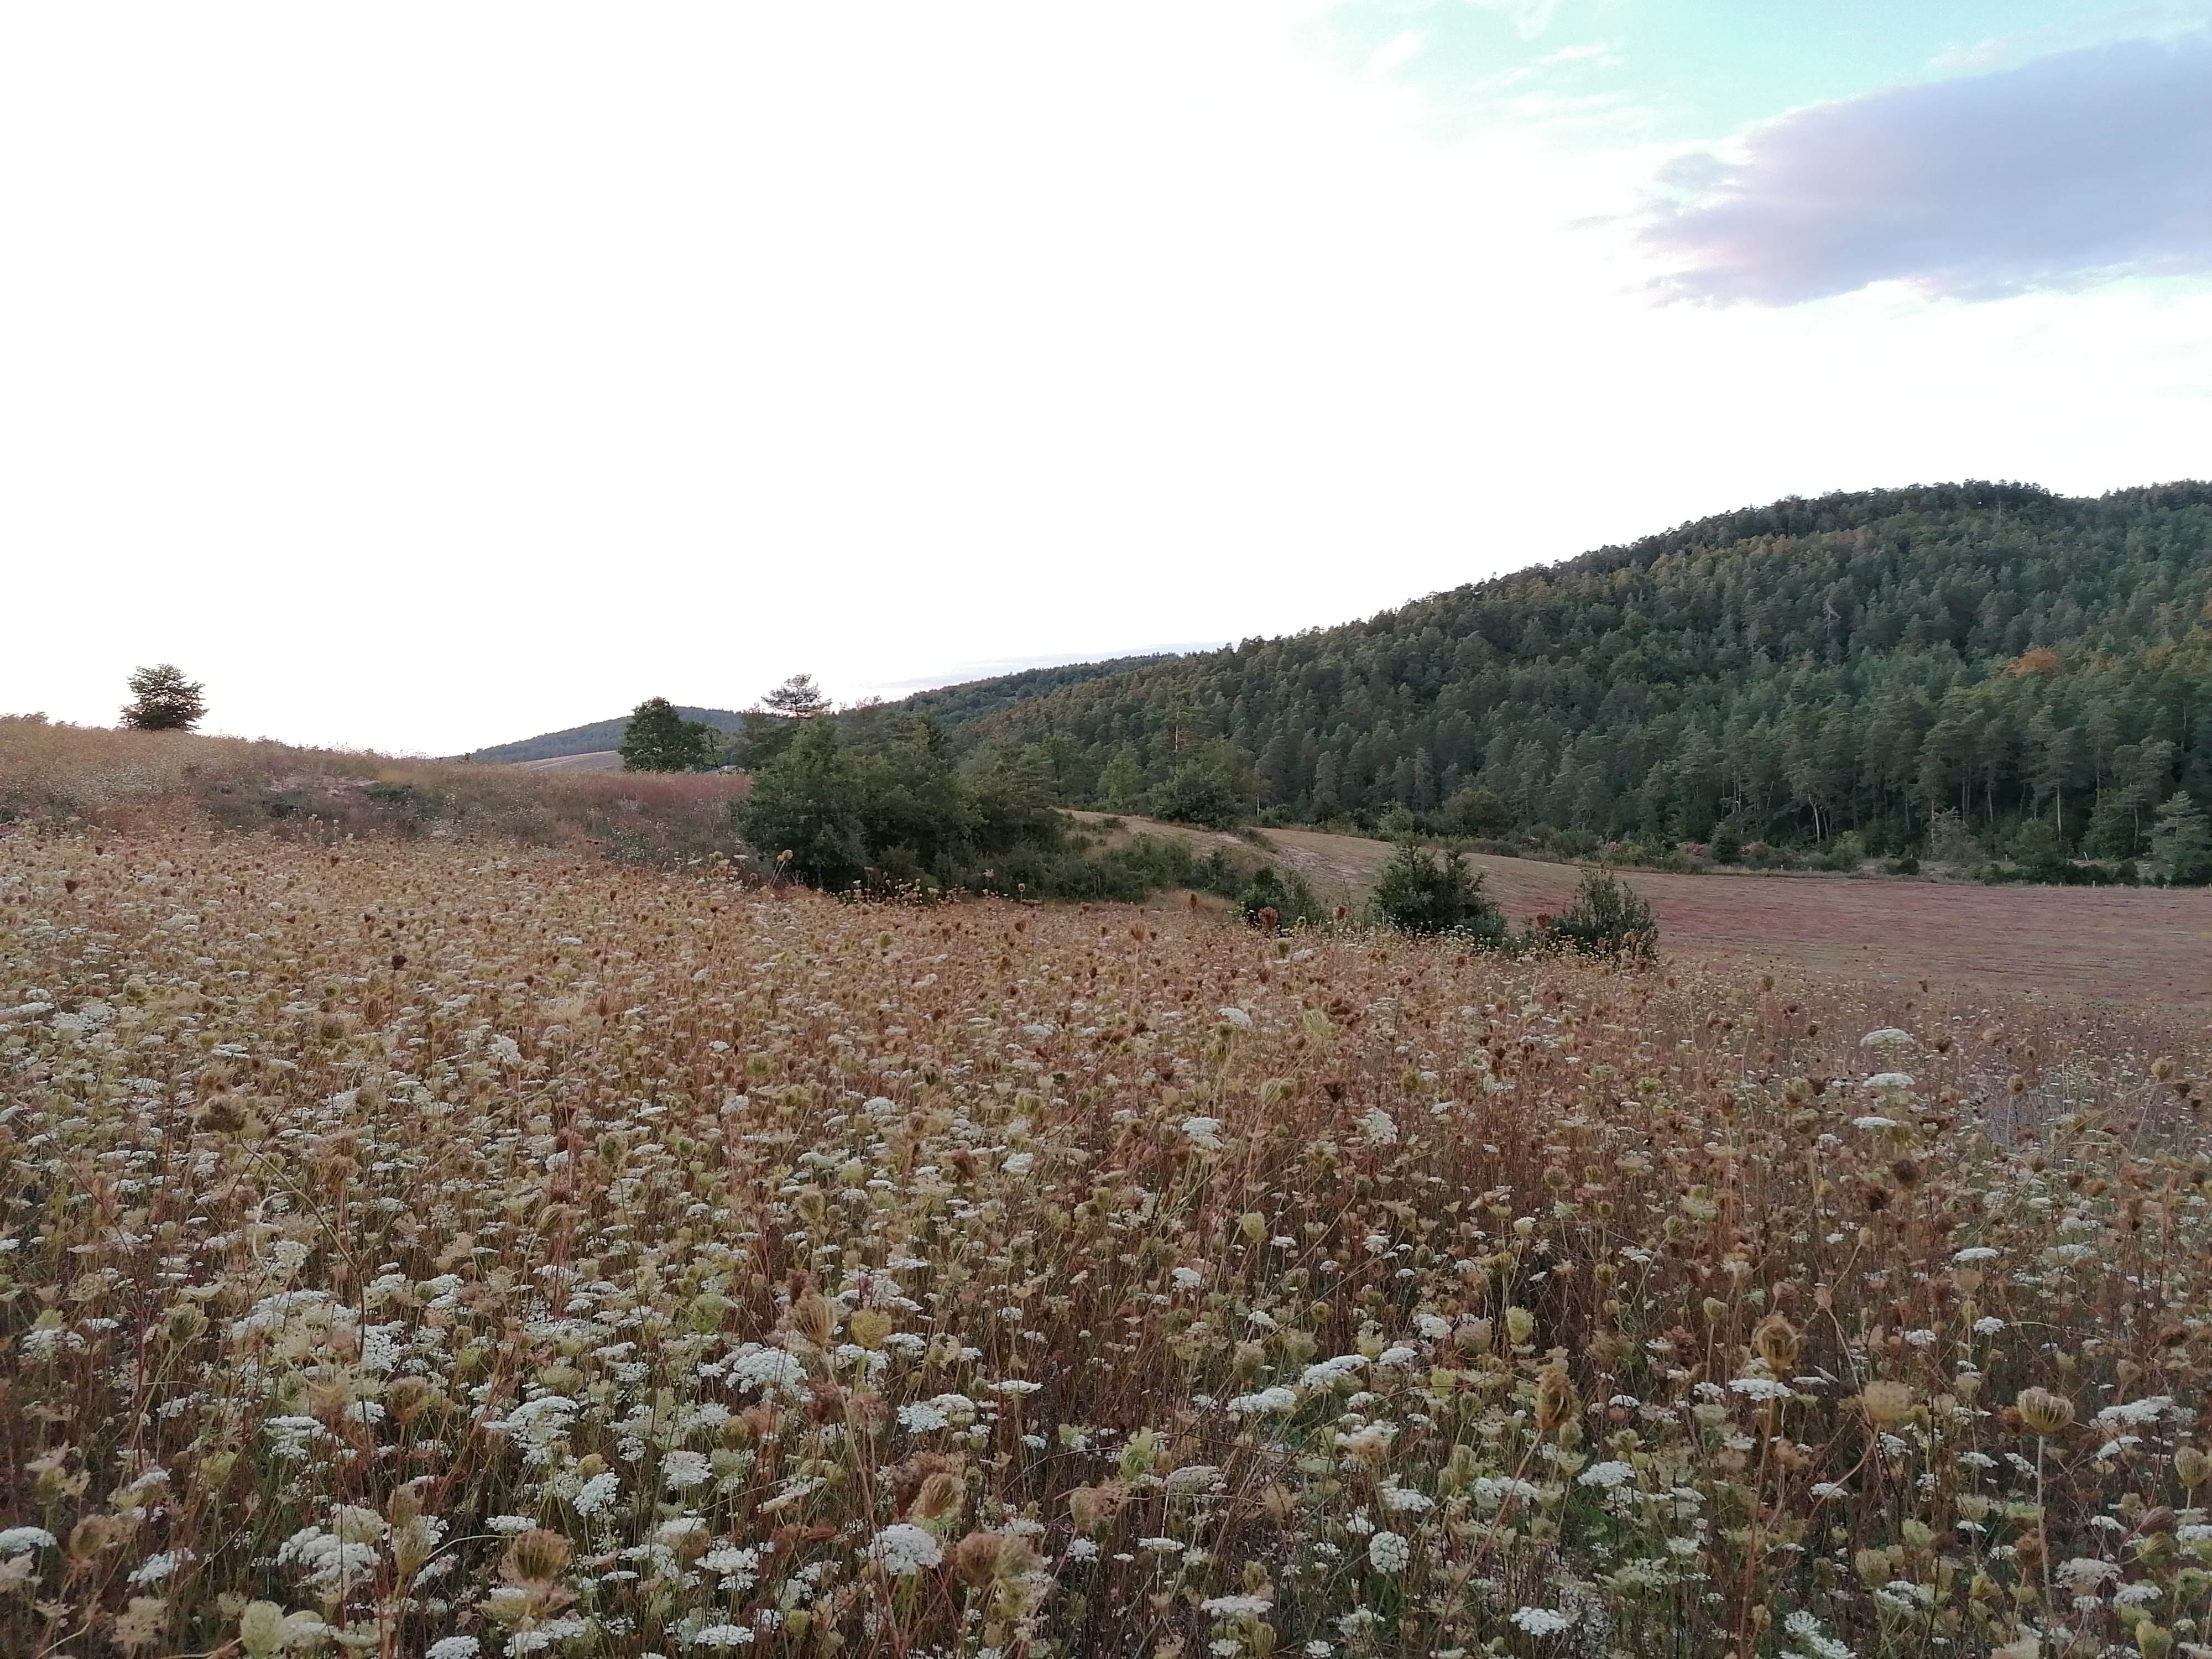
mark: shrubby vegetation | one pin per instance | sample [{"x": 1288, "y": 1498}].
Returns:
[
  {"x": 1431, "y": 892},
  {"x": 1777, "y": 679},
  {"x": 659, "y": 739},
  {"x": 889, "y": 810}
]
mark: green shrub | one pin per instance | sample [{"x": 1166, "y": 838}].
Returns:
[
  {"x": 1423, "y": 890},
  {"x": 1608, "y": 918}
]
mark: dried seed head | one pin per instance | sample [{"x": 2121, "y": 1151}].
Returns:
[
  {"x": 539, "y": 1555},
  {"x": 2043, "y": 1412},
  {"x": 2190, "y": 1466},
  {"x": 1555, "y": 1400},
  {"x": 939, "y": 1495},
  {"x": 975, "y": 1558},
  {"x": 869, "y": 1327},
  {"x": 815, "y": 1319},
  {"x": 1775, "y": 1340},
  {"x": 1885, "y": 1403}
]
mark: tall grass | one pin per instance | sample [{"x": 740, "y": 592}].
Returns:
[
  {"x": 437, "y": 1247},
  {"x": 117, "y": 778}
]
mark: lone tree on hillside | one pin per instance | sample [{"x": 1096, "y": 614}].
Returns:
[
  {"x": 658, "y": 740},
  {"x": 163, "y": 700},
  {"x": 798, "y": 697}
]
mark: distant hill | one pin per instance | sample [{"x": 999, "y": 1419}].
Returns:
[
  {"x": 591, "y": 739},
  {"x": 950, "y": 706},
  {"x": 1788, "y": 672}
]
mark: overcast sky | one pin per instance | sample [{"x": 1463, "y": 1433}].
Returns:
[{"x": 422, "y": 377}]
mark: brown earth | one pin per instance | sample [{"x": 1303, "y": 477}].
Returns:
[{"x": 2110, "y": 945}]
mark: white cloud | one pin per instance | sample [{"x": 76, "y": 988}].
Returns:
[{"x": 2080, "y": 165}]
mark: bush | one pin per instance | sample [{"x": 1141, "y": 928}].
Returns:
[
  {"x": 658, "y": 740},
  {"x": 1608, "y": 918},
  {"x": 1423, "y": 890},
  {"x": 803, "y": 812},
  {"x": 1472, "y": 811}
]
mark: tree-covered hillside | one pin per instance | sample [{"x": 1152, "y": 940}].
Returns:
[{"x": 1813, "y": 669}]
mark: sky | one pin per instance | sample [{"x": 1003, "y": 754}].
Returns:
[{"x": 421, "y": 377}]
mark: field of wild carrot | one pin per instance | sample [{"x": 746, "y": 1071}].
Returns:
[{"x": 424, "y": 1248}]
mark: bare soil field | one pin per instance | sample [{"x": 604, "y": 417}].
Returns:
[{"x": 2079, "y": 945}]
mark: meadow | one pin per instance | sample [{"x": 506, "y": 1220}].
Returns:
[{"x": 437, "y": 1244}]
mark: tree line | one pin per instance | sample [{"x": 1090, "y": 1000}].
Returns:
[{"x": 1849, "y": 677}]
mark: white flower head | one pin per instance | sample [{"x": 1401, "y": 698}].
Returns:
[
  {"x": 596, "y": 1493},
  {"x": 1203, "y": 1132},
  {"x": 1887, "y": 1036},
  {"x": 1541, "y": 1621},
  {"x": 1388, "y": 1552},
  {"x": 1236, "y": 1607},
  {"x": 682, "y": 1470},
  {"x": 904, "y": 1550},
  {"x": 1888, "y": 1080},
  {"x": 1760, "y": 1388}
]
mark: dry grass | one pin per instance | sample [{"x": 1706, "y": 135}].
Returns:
[
  {"x": 426, "y": 1248},
  {"x": 104, "y": 779}
]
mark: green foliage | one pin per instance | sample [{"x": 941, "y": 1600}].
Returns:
[
  {"x": 1283, "y": 892},
  {"x": 1214, "y": 787},
  {"x": 163, "y": 700},
  {"x": 796, "y": 698},
  {"x": 890, "y": 811},
  {"x": 1853, "y": 664},
  {"x": 1421, "y": 889},
  {"x": 1476, "y": 811},
  {"x": 659, "y": 739},
  {"x": 2181, "y": 844},
  {"x": 802, "y": 814},
  {"x": 1608, "y": 918}
]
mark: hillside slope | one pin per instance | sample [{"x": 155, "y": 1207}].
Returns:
[
  {"x": 598, "y": 737},
  {"x": 950, "y": 706},
  {"x": 1850, "y": 664}
]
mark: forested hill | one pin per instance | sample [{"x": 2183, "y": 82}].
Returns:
[
  {"x": 955, "y": 706},
  {"x": 1793, "y": 671}
]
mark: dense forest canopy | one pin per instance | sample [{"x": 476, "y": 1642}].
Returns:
[{"x": 1850, "y": 666}]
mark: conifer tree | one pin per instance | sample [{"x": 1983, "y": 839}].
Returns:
[{"x": 163, "y": 700}]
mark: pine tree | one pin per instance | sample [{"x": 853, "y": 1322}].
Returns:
[
  {"x": 2178, "y": 841},
  {"x": 799, "y": 698},
  {"x": 659, "y": 739},
  {"x": 163, "y": 700}
]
